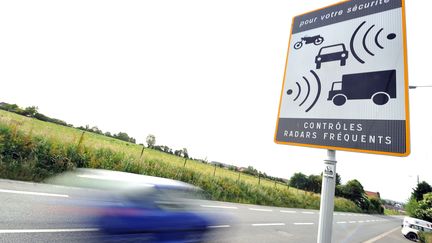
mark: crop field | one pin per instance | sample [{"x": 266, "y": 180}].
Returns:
[
  {"x": 46, "y": 148},
  {"x": 69, "y": 135}
]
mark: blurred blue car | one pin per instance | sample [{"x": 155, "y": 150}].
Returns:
[{"x": 138, "y": 208}]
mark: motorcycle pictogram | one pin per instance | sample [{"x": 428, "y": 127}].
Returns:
[{"x": 317, "y": 40}]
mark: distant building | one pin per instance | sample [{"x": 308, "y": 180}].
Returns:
[{"x": 373, "y": 194}]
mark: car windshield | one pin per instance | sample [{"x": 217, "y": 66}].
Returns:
[
  {"x": 337, "y": 86},
  {"x": 331, "y": 49}
]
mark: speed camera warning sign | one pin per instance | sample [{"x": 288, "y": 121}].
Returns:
[{"x": 346, "y": 83}]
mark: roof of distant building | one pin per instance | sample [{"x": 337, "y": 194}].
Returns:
[{"x": 372, "y": 194}]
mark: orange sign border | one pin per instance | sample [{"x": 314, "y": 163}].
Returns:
[{"x": 407, "y": 120}]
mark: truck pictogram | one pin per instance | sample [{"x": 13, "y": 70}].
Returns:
[{"x": 379, "y": 86}]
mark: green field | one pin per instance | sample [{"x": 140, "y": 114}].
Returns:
[
  {"x": 70, "y": 135},
  {"x": 392, "y": 212},
  {"x": 46, "y": 148}
]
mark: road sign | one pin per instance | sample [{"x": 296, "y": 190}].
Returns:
[{"x": 346, "y": 82}]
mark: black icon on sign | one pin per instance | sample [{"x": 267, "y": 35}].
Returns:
[
  {"x": 317, "y": 40},
  {"x": 379, "y": 86},
  {"x": 328, "y": 171},
  {"x": 390, "y": 36},
  {"x": 308, "y": 86},
  {"x": 331, "y": 53}
]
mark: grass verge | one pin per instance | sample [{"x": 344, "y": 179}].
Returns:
[{"x": 34, "y": 150}]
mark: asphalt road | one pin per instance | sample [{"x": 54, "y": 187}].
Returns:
[{"x": 31, "y": 212}]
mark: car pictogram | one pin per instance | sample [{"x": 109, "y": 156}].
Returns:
[{"x": 331, "y": 53}]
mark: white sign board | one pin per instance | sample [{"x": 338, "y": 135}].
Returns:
[{"x": 345, "y": 84}]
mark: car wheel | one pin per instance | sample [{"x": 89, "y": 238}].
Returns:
[
  {"x": 298, "y": 45},
  {"x": 380, "y": 98},
  {"x": 412, "y": 236},
  {"x": 339, "y": 99}
]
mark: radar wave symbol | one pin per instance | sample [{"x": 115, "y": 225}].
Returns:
[
  {"x": 308, "y": 91},
  {"x": 390, "y": 36}
]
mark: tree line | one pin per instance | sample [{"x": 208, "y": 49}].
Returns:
[
  {"x": 250, "y": 170},
  {"x": 151, "y": 143},
  {"x": 352, "y": 190},
  {"x": 33, "y": 111}
]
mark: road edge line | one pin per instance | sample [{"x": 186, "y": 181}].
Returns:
[{"x": 381, "y": 235}]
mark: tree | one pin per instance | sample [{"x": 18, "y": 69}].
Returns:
[
  {"x": 424, "y": 209},
  {"x": 339, "y": 191},
  {"x": 421, "y": 189},
  {"x": 338, "y": 179},
  {"x": 185, "y": 153},
  {"x": 122, "y": 136},
  {"x": 251, "y": 171},
  {"x": 11, "y": 107},
  {"x": 95, "y": 129},
  {"x": 314, "y": 183},
  {"x": 411, "y": 206},
  {"x": 31, "y": 111},
  {"x": 151, "y": 141},
  {"x": 375, "y": 206},
  {"x": 353, "y": 190},
  {"x": 299, "y": 180}
]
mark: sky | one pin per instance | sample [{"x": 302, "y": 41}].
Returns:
[{"x": 205, "y": 75}]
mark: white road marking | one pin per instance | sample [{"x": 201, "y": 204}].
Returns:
[
  {"x": 34, "y": 193},
  {"x": 352, "y": 222},
  {"x": 269, "y": 224},
  {"x": 303, "y": 223},
  {"x": 361, "y": 221},
  {"x": 19, "y": 231},
  {"x": 219, "y": 226},
  {"x": 341, "y": 222},
  {"x": 215, "y": 206},
  {"x": 261, "y": 209},
  {"x": 285, "y": 211},
  {"x": 381, "y": 236},
  {"x": 307, "y": 212}
]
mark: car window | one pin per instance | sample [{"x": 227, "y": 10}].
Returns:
[
  {"x": 337, "y": 86},
  {"x": 331, "y": 49}
]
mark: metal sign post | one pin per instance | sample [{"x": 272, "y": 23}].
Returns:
[{"x": 325, "y": 224}]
